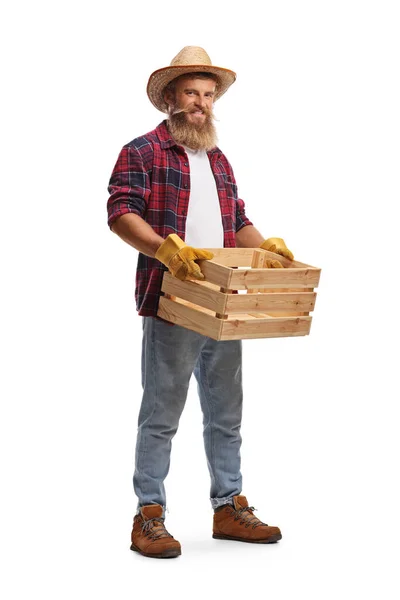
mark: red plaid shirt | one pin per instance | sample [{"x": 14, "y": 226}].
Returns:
[{"x": 151, "y": 178}]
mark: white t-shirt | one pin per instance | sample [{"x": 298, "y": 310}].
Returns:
[{"x": 204, "y": 222}]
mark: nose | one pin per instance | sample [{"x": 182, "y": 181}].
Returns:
[{"x": 201, "y": 101}]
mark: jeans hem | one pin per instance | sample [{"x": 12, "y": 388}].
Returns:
[{"x": 216, "y": 502}]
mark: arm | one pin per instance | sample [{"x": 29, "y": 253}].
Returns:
[
  {"x": 178, "y": 257},
  {"x": 137, "y": 233},
  {"x": 249, "y": 237}
]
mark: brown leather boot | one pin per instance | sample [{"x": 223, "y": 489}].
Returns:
[
  {"x": 149, "y": 536},
  {"x": 238, "y": 523}
]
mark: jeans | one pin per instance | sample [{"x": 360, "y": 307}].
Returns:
[{"x": 170, "y": 354}]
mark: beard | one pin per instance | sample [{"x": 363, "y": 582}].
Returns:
[{"x": 197, "y": 136}]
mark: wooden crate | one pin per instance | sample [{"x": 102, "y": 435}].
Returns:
[{"x": 274, "y": 303}]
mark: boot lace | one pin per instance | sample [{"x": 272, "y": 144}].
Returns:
[
  {"x": 155, "y": 529},
  {"x": 247, "y": 517}
]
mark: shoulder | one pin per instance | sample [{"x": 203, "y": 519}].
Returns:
[
  {"x": 147, "y": 142},
  {"x": 142, "y": 145}
]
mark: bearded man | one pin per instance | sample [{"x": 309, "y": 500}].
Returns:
[{"x": 172, "y": 193}]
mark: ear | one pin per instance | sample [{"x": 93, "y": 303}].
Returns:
[{"x": 168, "y": 97}]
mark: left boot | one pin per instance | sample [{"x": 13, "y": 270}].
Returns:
[{"x": 238, "y": 523}]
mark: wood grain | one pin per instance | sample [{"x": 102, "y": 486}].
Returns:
[
  {"x": 195, "y": 293},
  {"x": 189, "y": 317}
]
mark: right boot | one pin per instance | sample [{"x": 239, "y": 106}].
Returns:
[{"x": 149, "y": 536}]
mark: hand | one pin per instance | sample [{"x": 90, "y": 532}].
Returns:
[
  {"x": 180, "y": 258},
  {"x": 278, "y": 246}
]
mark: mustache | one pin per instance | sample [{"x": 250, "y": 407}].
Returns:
[{"x": 191, "y": 108}]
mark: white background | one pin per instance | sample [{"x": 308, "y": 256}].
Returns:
[{"x": 312, "y": 129}]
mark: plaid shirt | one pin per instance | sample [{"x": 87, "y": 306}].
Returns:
[{"x": 151, "y": 179}]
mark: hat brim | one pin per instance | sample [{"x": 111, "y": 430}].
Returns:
[{"x": 162, "y": 77}]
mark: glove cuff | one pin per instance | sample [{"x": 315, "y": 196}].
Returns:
[{"x": 170, "y": 246}]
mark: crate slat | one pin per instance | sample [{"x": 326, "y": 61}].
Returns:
[
  {"x": 273, "y": 278},
  {"x": 196, "y": 320},
  {"x": 242, "y": 257},
  {"x": 229, "y": 257},
  {"x": 215, "y": 273},
  {"x": 259, "y": 328},
  {"x": 271, "y": 302},
  {"x": 195, "y": 293}
]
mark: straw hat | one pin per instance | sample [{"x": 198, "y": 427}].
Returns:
[{"x": 189, "y": 60}]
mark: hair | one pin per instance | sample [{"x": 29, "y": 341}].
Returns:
[{"x": 171, "y": 86}]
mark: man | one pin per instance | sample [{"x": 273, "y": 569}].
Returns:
[{"x": 173, "y": 192}]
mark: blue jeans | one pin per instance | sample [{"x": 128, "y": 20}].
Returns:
[{"x": 170, "y": 354}]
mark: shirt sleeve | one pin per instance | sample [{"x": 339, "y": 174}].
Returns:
[
  {"x": 241, "y": 219},
  {"x": 129, "y": 186}
]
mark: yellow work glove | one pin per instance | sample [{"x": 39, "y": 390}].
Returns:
[
  {"x": 180, "y": 258},
  {"x": 278, "y": 246}
]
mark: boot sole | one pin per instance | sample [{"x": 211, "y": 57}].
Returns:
[
  {"x": 271, "y": 540},
  {"x": 169, "y": 553}
]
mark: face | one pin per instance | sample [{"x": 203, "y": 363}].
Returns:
[
  {"x": 190, "y": 105},
  {"x": 194, "y": 95}
]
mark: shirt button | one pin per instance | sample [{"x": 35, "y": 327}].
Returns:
[
  {"x": 186, "y": 164},
  {"x": 185, "y": 186}
]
